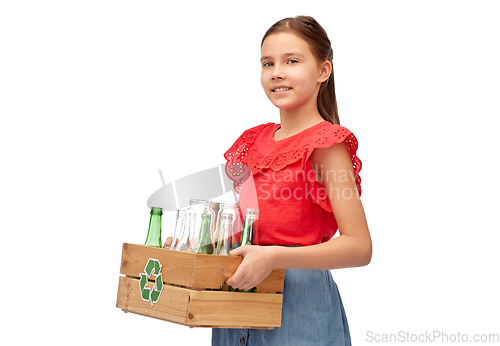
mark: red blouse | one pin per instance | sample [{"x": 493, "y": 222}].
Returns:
[{"x": 277, "y": 178}]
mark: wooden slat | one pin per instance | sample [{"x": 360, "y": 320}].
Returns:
[
  {"x": 171, "y": 306},
  {"x": 234, "y": 310},
  {"x": 203, "y": 308},
  {"x": 190, "y": 270},
  {"x": 212, "y": 271},
  {"x": 177, "y": 266},
  {"x": 273, "y": 283}
]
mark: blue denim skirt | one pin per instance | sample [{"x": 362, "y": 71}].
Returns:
[{"x": 312, "y": 314}]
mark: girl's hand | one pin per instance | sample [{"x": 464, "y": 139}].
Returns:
[{"x": 254, "y": 268}]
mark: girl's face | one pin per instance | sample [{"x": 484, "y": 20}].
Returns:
[{"x": 291, "y": 75}]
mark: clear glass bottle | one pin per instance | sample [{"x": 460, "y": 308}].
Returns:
[
  {"x": 225, "y": 235},
  {"x": 183, "y": 244},
  {"x": 154, "y": 230},
  {"x": 249, "y": 226},
  {"x": 233, "y": 209},
  {"x": 200, "y": 219},
  {"x": 180, "y": 223}
]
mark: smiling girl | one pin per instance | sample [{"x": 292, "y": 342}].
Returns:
[{"x": 299, "y": 217}]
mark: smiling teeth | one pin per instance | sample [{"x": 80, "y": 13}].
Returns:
[{"x": 282, "y": 89}]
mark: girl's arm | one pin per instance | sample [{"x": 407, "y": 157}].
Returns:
[{"x": 352, "y": 248}]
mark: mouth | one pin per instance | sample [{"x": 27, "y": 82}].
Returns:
[{"x": 281, "y": 89}]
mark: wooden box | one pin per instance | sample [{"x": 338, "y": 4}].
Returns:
[{"x": 179, "y": 287}]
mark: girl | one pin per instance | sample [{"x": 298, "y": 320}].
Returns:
[{"x": 307, "y": 187}]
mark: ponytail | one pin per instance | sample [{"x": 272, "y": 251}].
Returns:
[{"x": 327, "y": 101}]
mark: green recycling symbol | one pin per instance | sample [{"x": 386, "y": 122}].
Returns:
[{"x": 151, "y": 294}]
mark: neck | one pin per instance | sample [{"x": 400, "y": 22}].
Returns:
[{"x": 295, "y": 121}]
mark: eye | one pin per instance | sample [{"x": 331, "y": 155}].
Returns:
[
  {"x": 267, "y": 64},
  {"x": 292, "y": 61}
]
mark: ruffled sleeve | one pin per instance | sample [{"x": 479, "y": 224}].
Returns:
[
  {"x": 326, "y": 137},
  {"x": 237, "y": 168}
]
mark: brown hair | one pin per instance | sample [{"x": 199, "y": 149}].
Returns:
[{"x": 309, "y": 30}]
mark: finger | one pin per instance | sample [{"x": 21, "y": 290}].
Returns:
[
  {"x": 239, "y": 251},
  {"x": 236, "y": 279},
  {"x": 168, "y": 241},
  {"x": 236, "y": 252},
  {"x": 248, "y": 287}
]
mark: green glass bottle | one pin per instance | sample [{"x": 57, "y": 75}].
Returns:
[
  {"x": 154, "y": 231},
  {"x": 249, "y": 232},
  {"x": 204, "y": 244},
  {"x": 249, "y": 226}
]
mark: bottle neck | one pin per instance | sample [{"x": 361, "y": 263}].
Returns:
[
  {"x": 199, "y": 201},
  {"x": 252, "y": 213},
  {"x": 154, "y": 230},
  {"x": 156, "y": 211}
]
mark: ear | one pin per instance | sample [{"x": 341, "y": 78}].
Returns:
[{"x": 325, "y": 71}]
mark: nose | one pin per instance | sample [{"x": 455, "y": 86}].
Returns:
[{"x": 277, "y": 73}]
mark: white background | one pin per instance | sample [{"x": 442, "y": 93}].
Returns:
[{"x": 95, "y": 96}]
